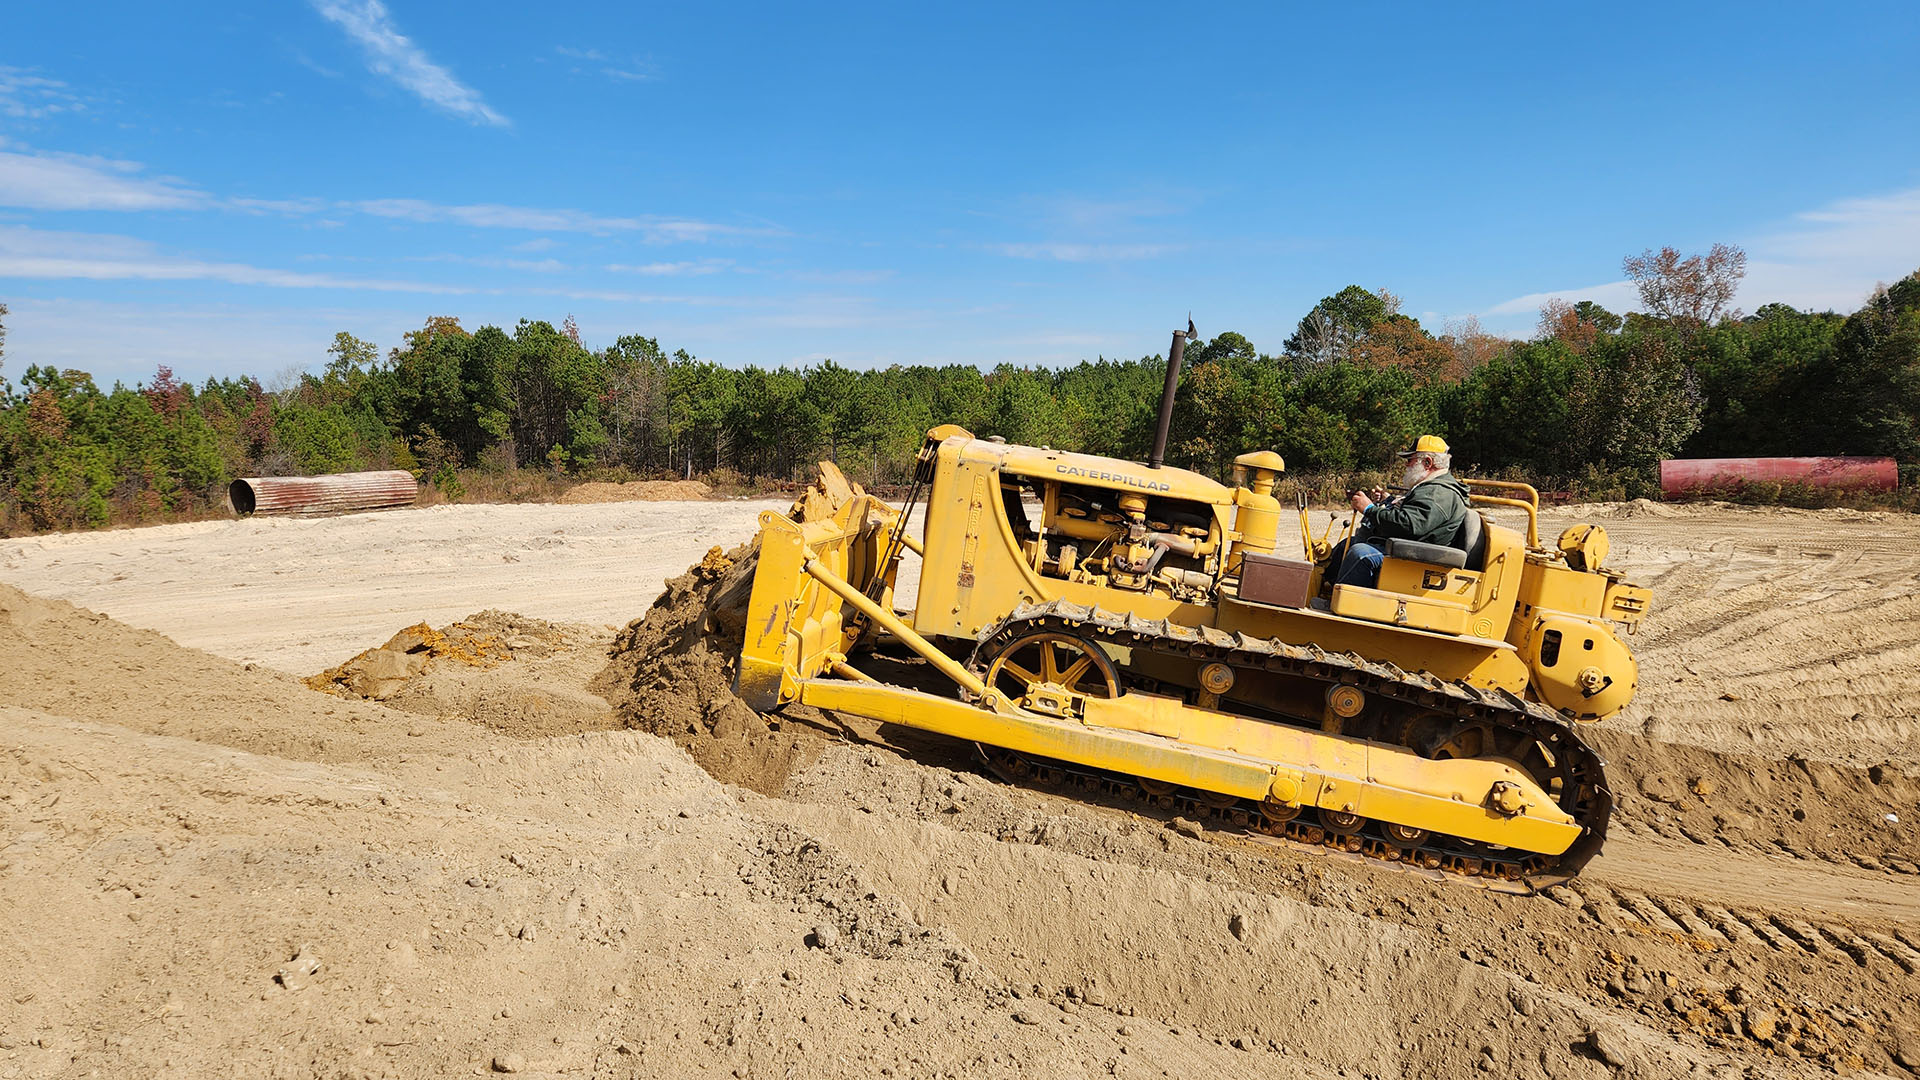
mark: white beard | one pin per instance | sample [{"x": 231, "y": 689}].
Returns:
[{"x": 1412, "y": 476}]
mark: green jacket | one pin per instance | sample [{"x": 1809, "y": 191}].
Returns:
[{"x": 1431, "y": 513}]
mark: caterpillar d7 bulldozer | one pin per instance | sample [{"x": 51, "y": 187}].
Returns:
[{"x": 1123, "y": 629}]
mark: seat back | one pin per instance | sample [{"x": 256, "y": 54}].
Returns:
[{"x": 1473, "y": 540}]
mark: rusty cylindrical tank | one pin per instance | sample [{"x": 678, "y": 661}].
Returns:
[
  {"x": 1685, "y": 476},
  {"x": 322, "y": 494}
]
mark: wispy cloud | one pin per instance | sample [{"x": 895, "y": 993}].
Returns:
[
  {"x": 1066, "y": 252},
  {"x": 26, "y": 96},
  {"x": 36, "y": 253},
  {"x": 1612, "y": 295},
  {"x": 300, "y": 57},
  {"x": 291, "y": 207},
  {"x": 1081, "y": 214},
  {"x": 491, "y": 262},
  {"x": 1833, "y": 256},
  {"x": 394, "y": 55},
  {"x": 41, "y": 181},
  {"x": 1828, "y": 258},
  {"x": 534, "y": 219},
  {"x": 1064, "y": 339},
  {"x": 673, "y": 269},
  {"x": 619, "y": 70},
  {"x": 843, "y": 277}
]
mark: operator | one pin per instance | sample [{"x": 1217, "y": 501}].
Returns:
[{"x": 1431, "y": 511}]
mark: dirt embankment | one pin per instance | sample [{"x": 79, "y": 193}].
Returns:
[{"x": 636, "y": 491}]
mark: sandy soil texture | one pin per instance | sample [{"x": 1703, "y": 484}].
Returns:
[
  {"x": 485, "y": 873},
  {"x": 301, "y": 595}
]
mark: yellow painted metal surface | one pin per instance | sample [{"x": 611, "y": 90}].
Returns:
[
  {"x": 795, "y": 627},
  {"x": 1400, "y": 609},
  {"x": 1592, "y": 675},
  {"x": 1162, "y": 739},
  {"x": 1429, "y": 582},
  {"x": 1556, "y": 588},
  {"x": 1058, "y": 465}
]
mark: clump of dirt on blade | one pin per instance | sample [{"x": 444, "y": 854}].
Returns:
[{"x": 671, "y": 671}]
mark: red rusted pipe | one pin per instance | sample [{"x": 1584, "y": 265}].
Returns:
[
  {"x": 1684, "y": 476},
  {"x": 322, "y": 494}
]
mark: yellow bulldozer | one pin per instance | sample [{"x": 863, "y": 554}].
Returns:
[{"x": 1123, "y": 629}]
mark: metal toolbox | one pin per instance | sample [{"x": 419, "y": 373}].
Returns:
[{"x": 1270, "y": 579}]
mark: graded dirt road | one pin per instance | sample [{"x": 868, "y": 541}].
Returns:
[{"x": 481, "y": 874}]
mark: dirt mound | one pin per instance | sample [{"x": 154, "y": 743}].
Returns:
[
  {"x": 1798, "y": 807},
  {"x": 1366, "y": 969},
  {"x": 636, "y": 491},
  {"x": 71, "y": 662},
  {"x": 382, "y": 672},
  {"x": 670, "y": 672},
  {"x": 1713, "y": 509},
  {"x": 517, "y": 675}
]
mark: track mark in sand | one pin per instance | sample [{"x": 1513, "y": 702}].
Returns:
[
  {"x": 1735, "y": 930},
  {"x": 1694, "y": 922},
  {"x": 1712, "y": 927},
  {"x": 1643, "y": 909},
  {"x": 1770, "y": 933},
  {"x": 1908, "y": 959}
]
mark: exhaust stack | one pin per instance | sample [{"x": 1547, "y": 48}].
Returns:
[{"x": 1175, "y": 354}]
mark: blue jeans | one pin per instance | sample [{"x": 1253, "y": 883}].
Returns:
[{"x": 1360, "y": 566}]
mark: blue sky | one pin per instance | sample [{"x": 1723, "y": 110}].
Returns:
[{"x": 222, "y": 187}]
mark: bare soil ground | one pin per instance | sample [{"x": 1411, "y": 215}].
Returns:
[{"x": 209, "y": 869}]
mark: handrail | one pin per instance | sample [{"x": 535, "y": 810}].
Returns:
[
  {"x": 1532, "y": 496},
  {"x": 1532, "y": 509}
]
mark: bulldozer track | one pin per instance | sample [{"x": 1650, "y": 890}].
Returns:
[{"x": 1583, "y": 795}]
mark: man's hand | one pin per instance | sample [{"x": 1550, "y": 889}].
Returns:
[
  {"x": 1360, "y": 501},
  {"x": 1380, "y": 494}
]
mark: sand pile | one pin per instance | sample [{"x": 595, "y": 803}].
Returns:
[
  {"x": 636, "y": 491},
  {"x": 382, "y": 672},
  {"x": 71, "y": 662},
  {"x": 517, "y": 675}
]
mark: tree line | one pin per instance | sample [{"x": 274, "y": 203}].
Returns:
[{"x": 1594, "y": 401}]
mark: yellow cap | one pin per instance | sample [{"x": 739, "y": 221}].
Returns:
[{"x": 1426, "y": 444}]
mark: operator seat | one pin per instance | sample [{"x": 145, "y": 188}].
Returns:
[{"x": 1467, "y": 552}]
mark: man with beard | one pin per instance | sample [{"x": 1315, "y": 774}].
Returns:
[{"x": 1431, "y": 510}]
